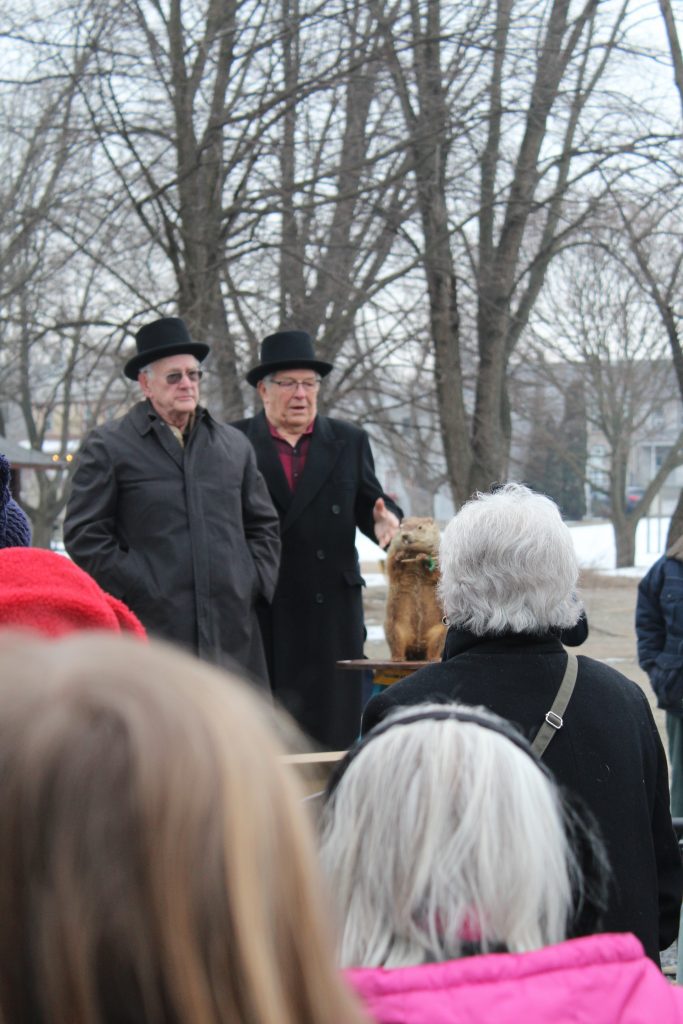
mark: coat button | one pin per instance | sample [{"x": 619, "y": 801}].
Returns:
[
  {"x": 320, "y": 555},
  {"x": 319, "y": 598},
  {"x": 336, "y": 509}
]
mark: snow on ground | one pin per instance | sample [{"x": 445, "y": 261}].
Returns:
[
  {"x": 593, "y": 541},
  {"x": 594, "y": 545}
]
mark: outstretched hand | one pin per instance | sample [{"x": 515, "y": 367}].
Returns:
[{"x": 386, "y": 523}]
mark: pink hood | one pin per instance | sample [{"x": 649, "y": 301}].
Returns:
[{"x": 602, "y": 979}]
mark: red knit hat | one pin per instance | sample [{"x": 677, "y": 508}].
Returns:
[{"x": 46, "y": 591}]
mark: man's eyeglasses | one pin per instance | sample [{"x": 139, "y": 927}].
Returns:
[
  {"x": 289, "y": 384},
  {"x": 176, "y": 376}
]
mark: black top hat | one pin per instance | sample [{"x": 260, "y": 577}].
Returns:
[
  {"x": 287, "y": 350},
  {"x": 168, "y": 336}
]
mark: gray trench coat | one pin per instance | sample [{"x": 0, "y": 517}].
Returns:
[{"x": 187, "y": 538}]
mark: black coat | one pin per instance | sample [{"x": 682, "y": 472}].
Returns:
[
  {"x": 316, "y": 616},
  {"x": 608, "y": 751},
  {"x": 187, "y": 538},
  {"x": 659, "y": 625}
]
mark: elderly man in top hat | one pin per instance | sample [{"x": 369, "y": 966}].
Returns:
[
  {"x": 321, "y": 477},
  {"x": 169, "y": 513}
]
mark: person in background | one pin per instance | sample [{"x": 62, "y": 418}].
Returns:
[
  {"x": 156, "y": 865},
  {"x": 509, "y": 588},
  {"x": 659, "y": 629},
  {"x": 321, "y": 476},
  {"x": 169, "y": 513},
  {"x": 15, "y": 529},
  {"x": 459, "y": 872},
  {"x": 45, "y": 592}
]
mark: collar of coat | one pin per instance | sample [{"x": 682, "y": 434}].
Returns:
[
  {"x": 144, "y": 416},
  {"x": 676, "y": 549},
  {"x": 460, "y": 640},
  {"x": 326, "y": 448}
]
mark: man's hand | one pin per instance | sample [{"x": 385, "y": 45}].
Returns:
[{"x": 386, "y": 523}]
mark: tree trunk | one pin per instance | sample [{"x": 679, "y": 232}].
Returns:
[
  {"x": 674, "y": 46},
  {"x": 42, "y": 528},
  {"x": 625, "y": 540},
  {"x": 430, "y": 145},
  {"x": 676, "y": 524},
  {"x": 207, "y": 322}
]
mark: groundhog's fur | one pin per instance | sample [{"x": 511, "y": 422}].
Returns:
[{"x": 413, "y": 623}]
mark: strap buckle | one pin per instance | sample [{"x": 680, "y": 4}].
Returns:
[{"x": 554, "y": 720}]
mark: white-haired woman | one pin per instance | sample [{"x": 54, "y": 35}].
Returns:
[
  {"x": 459, "y": 870},
  {"x": 509, "y": 578}
]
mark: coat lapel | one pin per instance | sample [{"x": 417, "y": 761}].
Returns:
[
  {"x": 323, "y": 453},
  {"x": 144, "y": 423},
  {"x": 269, "y": 462}
]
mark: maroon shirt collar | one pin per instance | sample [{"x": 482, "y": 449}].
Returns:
[
  {"x": 292, "y": 459},
  {"x": 275, "y": 433}
]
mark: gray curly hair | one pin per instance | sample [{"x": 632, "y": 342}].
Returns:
[{"x": 507, "y": 563}]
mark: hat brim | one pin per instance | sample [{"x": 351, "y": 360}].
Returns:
[
  {"x": 197, "y": 349},
  {"x": 257, "y": 373}
]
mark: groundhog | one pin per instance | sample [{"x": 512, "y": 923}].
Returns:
[{"x": 413, "y": 624}]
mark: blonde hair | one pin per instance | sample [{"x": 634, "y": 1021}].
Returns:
[{"x": 155, "y": 864}]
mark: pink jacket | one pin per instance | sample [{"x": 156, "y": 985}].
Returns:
[{"x": 602, "y": 979}]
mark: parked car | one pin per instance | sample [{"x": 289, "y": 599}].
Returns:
[
  {"x": 633, "y": 497},
  {"x": 601, "y": 506}
]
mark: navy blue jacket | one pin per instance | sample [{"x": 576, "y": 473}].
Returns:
[{"x": 659, "y": 626}]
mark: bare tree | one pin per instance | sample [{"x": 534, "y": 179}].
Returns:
[
  {"x": 674, "y": 46},
  {"x": 45, "y": 301},
  {"x": 649, "y": 245},
  {"x": 388, "y": 388},
  {"x": 389, "y": 176},
  {"x": 338, "y": 193},
  {"x": 179, "y": 120},
  {"x": 595, "y": 333},
  {"x": 534, "y": 144}
]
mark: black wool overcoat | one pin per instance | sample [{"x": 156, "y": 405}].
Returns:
[
  {"x": 186, "y": 537},
  {"x": 608, "y": 751},
  {"x": 316, "y": 616}
]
